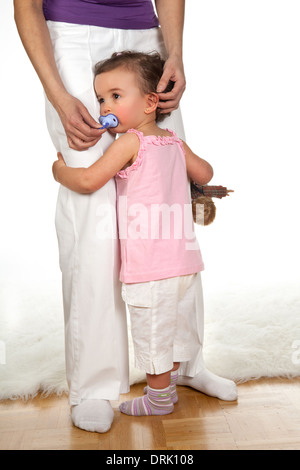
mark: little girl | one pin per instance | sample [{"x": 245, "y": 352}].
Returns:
[{"x": 159, "y": 252}]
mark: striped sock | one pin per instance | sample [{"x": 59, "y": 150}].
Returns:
[
  {"x": 174, "y": 377},
  {"x": 155, "y": 402}
]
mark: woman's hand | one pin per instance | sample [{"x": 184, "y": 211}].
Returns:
[
  {"x": 174, "y": 71},
  {"x": 81, "y": 129},
  {"x": 59, "y": 163}
]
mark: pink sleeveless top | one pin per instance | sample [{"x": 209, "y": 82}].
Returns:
[{"x": 156, "y": 227}]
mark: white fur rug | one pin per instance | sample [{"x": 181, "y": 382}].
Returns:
[{"x": 249, "y": 333}]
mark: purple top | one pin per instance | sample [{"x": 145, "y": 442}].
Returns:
[{"x": 119, "y": 14}]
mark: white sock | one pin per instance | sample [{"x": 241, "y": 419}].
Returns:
[
  {"x": 210, "y": 384},
  {"x": 93, "y": 415}
]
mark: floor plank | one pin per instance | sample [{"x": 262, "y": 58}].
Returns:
[{"x": 265, "y": 416}]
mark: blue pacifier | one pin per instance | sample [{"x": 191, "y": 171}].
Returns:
[{"x": 110, "y": 120}]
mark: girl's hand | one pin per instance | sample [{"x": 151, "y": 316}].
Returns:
[
  {"x": 81, "y": 129},
  {"x": 59, "y": 163},
  {"x": 174, "y": 71}
]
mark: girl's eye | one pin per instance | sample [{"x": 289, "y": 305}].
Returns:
[
  {"x": 116, "y": 96},
  {"x": 101, "y": 100}
]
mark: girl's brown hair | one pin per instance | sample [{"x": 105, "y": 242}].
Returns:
[{"x": 148, "y": 68}]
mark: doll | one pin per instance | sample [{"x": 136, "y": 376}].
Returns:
[{"x": 203, "y": 195}]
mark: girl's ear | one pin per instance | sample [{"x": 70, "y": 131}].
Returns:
[{"x": 152, "y": 100}]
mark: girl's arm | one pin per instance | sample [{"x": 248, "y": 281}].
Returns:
[
  {"x": 89, "y": 180},
  {"x": 199, "y": 170},
  {"x": 80, "y": 127}
]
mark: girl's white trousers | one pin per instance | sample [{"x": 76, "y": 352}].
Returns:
[{"x": 95, "y": 315}]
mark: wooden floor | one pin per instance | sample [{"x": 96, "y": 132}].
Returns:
[{"x": 266, "y": 416}]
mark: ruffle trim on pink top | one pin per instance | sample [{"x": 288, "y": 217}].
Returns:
[{"x": 144, "y": 140}]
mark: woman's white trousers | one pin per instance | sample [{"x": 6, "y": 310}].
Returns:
[{"x": 95, "y": 315}]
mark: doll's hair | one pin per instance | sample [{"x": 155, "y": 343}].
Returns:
[
  {"x": 207, "y": 213},
  {"x": 147, "y": 67}
]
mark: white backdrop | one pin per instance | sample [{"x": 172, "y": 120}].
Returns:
[{"x": 242, "y": 113}]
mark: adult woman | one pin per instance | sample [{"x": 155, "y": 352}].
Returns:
[{"x": 63, "y": 41}]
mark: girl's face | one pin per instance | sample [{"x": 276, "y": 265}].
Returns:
[{"x": 118, "y": 93}]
